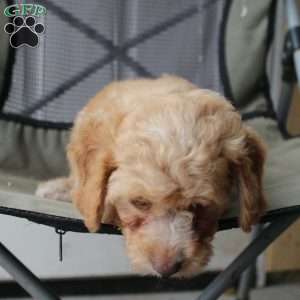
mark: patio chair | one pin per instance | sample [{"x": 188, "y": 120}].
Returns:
[{"x": 231, "y": 46}]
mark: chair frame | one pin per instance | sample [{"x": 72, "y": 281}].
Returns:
[
  {"x": 270, "y": 232},
  {"x": 34, "y": 286}
]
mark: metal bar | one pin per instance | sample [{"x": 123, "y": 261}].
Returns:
[
  {"x": 248, "y": 255},
  {"x": 261, "y": 274},
  {"x": 23, "y": 276},
  {"x": 248, "y": 277},
  {"x": 246, "y": 282},
  {"x": 293, "y": 20}
]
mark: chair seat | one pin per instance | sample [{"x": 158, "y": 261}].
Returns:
[{"x": 282, "y": 187}]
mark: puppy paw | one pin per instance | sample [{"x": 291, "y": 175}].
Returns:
[{"x": 56, "y": 189}]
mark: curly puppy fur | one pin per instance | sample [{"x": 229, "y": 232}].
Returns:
[{"x": 161, "y": 159}]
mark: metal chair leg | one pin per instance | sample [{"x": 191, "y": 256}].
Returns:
[
  {"x": 23, "y": 276},
  {"x": 248, "y": 277},
  {"x": 246, "y": 283},
  {"x": 247, "y": 257}
]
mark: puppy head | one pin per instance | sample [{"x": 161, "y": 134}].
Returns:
[
  {"x": 168, "y": 177},
  {"x": 165, "y": 232},
  {"x": 175, "y": 176}
]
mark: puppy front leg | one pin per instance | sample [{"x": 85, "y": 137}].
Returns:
[{"x": 55, "y": 189}]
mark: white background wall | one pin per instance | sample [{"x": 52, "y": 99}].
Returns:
[{"x": 83, "y": 254}]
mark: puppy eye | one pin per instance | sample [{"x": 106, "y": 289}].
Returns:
[
  {"x": 141, "y": 204},
  {"x": 195, "y": 207}
]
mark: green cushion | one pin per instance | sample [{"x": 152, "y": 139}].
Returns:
[
  {"x": 245, "y": 47},
  {"x": 32, "y": 151}
]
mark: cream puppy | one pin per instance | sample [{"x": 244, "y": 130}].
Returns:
[{"x": 161, "y": 158}]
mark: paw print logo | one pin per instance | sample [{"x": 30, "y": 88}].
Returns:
[{"x": 24, "y": 31}]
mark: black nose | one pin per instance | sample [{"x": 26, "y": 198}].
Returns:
[{"x": 167, "y": 271}]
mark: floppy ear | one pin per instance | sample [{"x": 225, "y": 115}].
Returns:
[
  {"x": 91, "y": 163},
  {"x": 249, "y": 171},
  {"x": 246, "y": 152}
]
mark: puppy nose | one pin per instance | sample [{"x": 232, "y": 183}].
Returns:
[{"x": 166, "y": 270}]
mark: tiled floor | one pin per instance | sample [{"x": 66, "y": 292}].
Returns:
[
  {"x": 278, "y": 292},
  {"x": 162, "y": 296}
]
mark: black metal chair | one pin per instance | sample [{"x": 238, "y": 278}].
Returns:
[{"x": 230, "y": 46}]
